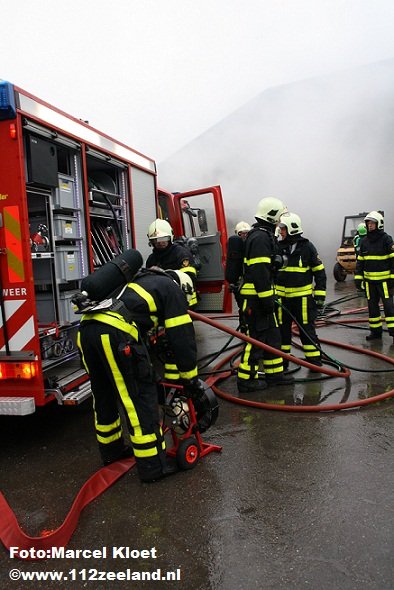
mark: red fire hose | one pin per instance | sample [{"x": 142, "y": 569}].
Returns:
[
  {"x": 10, "y": 531},
  {"x": 211, "y": 381},
  {"x": 11, "y": 534}
]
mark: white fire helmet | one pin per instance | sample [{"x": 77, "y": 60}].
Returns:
[
  {"x": 160, "y": 228},
  {"x": 270, "y": 209},
  {"x": 376, "y": 217},
  {"x": 242, "y": 226},
  {"x": 292, "y": 222},
  {"x": 184, "y": 281}
]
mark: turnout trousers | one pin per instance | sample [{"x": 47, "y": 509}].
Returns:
[
  {"x": 262, "y": 327},
  {"x": 376, "y": 291},
  {"x": 303, "y": 310},
  {"x": 121, "y": 377}
]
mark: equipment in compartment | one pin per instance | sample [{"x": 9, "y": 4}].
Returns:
[
  {"x": 65, "y": 227},
  {"x": 65, "y": 193},
  {"x": 46, "y": 309},
  {"x": 68, "y": 259},
  {"x": 39, "y": 241},
  {"x": 56, "y": 343},
  {"x": 106, "y": 214},
  {"x": 105, "y": 241},
  {"x": 42, "y": 165}
]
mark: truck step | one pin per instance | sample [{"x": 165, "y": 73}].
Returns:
[
  {"x": 76, "y": 397},
  {"x": 63, "y": 382}
]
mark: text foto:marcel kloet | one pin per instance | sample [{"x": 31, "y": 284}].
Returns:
[{"x": 100, "y": 553}]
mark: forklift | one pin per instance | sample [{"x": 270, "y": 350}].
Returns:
[{"x": 346, "y": 255}]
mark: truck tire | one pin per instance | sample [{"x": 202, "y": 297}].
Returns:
[{"x": 339, "y": 273}]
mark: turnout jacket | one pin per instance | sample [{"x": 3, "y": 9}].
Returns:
[
  {"x": 154, "y": 300},
  {"x": 304, "y": 274},
  {"x": 375, "y": 261},
  {"x": 260, "y": 247}
]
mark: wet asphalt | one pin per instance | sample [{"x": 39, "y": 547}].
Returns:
[{"x": 293, "y": 501}]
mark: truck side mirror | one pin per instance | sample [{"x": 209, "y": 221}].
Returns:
[{"x": 202, "y": 221}]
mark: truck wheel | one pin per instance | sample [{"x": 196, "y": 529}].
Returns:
[
  {"x": 339, "y": 273},
  {"x": 188, "y": 453}
]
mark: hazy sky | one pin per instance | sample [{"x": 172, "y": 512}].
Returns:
[{"x": 157, "y": 73}]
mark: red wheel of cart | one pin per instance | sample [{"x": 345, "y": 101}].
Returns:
[{"x": 188, "y": 453}]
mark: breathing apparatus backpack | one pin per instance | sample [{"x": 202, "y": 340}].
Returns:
[
  {"x": 97, "y": 287},
  {"x": 191, "y": 245}
]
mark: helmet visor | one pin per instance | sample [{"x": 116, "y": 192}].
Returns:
[{"x": 160, "y": 241}]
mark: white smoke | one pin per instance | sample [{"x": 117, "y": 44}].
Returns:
[{"x": 325, "y": 146}]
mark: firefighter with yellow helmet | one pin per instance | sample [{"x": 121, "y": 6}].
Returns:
[
  {"x": 300, "y": 287},
  {"x": 375, "y": 274},
  {"x": 259, "y": 301}
]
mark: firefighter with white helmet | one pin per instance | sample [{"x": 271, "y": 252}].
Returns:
[
  {"x": 300, "y": 287},
  {"x": 111, "y": 340},
  {"x": 242, "y": 229},
  {"x": 375, "y": 274},
  {"x": 259, "y": 300},
  {"x": 166, "y": 254},
  {"x": 160, "y": 233},
  {"x": 234, "y": 264}
]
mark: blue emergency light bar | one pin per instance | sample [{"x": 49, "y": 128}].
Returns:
[{"x": 7, "y": 101}]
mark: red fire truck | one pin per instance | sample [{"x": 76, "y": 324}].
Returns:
[{"x": 72, "y": 198}]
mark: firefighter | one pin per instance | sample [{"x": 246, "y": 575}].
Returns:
[
  {"x": 300, "y": 287},
  {"x": 259, "y": 302},
  {"x": 242, "y": 229},
  {"x": 361, "y": 231},
  {"x": 115, "y": 356},
  {"x": 234, "y": 264},
  {"x": 167, "y": 255},
  {"x": 375, "y": 274}
]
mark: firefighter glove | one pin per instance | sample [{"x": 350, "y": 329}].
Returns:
[
  {"x": 320, "y": 301},
  {"x": 359, "y": 286}
]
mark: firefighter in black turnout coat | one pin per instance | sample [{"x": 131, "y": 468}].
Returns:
[
  {"x": 300, "y": 287},
  {"x": 375, "y": 274},
  {"x": 168, "y": 255},
  {"x": 115, "y": 356},
  {"x": 259, "y": 302}
]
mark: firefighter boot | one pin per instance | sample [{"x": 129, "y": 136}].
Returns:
[
  {"x": 249, "y": 385},
  {"x": 156, "y": 468},
  {"x": 280, "y": 379},
  {"x": 125, "y": 453},
  {"x": 374, "y": 336},
  {"x": 315, "y": 361}
]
